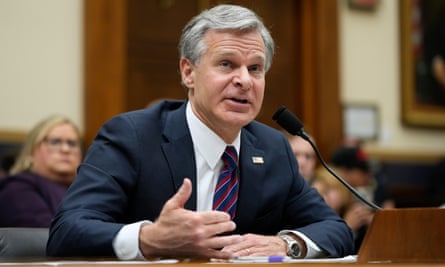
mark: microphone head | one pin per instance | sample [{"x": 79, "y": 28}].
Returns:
[{"x": 288, "y": 121}]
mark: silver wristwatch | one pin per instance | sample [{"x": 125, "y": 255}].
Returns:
[{"x": 293, "y": 247}]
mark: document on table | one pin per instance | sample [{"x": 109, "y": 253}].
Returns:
[{"x": 277, "y": 259}]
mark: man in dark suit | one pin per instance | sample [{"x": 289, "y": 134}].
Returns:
[{"x": 146, "y": 186}]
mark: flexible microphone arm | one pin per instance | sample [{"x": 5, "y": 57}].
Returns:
[{"x": 293, "y": 125}]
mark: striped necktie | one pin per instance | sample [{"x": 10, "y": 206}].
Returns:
[{"x": 226, "y": 190}]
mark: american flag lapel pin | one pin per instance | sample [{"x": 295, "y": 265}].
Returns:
[{"x": 257, "y": 160}]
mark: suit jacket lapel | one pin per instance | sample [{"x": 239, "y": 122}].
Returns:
[
  {"x": 252, "y": 171},
  {"x": 178, "y": 150},
  {"x": 179, "y": 153}
]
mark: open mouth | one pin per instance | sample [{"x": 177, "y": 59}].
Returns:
[{"x": 239, "y": 100}]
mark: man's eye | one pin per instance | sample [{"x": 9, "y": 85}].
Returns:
[
  {"x": 225, "y": 64},
  {"x": 256, "y": 68}
]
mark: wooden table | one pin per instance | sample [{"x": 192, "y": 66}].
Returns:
[{"x": 114, "y": 263}]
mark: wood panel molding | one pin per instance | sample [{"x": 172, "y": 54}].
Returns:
[
  {"x": 402, "y": 155},
  {"x": 12, "y": 136}
]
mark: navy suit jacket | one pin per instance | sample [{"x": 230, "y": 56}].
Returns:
[{"x": 138, "y": 161}]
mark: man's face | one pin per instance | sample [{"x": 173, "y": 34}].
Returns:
[
  {"x": 305, "y": 155},
  {"x": 226, "y": 89}
]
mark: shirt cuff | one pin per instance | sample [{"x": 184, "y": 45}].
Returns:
[
  {"x": 313, "y": 250},
  {"x": 126, "y": 242}
]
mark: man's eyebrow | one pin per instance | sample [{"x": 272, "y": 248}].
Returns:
[
  {"x": 260, "y": 57},
  {"x": 225, "y": 53},
  {"x": 256, "y": 56}
]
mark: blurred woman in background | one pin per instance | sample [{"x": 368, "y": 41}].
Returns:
[{"x": 41, "y": 174}]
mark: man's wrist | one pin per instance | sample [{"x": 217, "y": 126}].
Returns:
[
  {"x": 126, "y": 242},
  {"x": 295, "y": 246}
]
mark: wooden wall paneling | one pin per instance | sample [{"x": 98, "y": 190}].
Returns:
[
  {"x": 132, "y": 59},
  {"x": 321, "y": 106},
  {"x": 330, "y": 117},
  {"x": 154, "y": 30},
  {"x": 105, "y": 62},
  {"x": 307, "y": 84},
  {"x": 131, "y": 56},
  {"x": 281, "y": 80}
]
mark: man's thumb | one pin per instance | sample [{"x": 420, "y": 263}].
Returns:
[{"x": 178, "y": 200}]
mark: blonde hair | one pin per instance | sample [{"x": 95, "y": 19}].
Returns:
[
  {"x": 323, "y": 177},
  {"x": 35, "y": 137}
]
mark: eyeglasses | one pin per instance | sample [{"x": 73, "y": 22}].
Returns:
[{"x": 57, "y": 143}]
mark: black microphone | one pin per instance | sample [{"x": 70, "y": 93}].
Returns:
[{"x": 293, "y": 125}]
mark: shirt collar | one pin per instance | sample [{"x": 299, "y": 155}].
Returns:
[{"x": 208, "y": 144}]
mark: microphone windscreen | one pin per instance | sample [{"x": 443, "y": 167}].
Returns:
[{"x": 288, "y": 121}]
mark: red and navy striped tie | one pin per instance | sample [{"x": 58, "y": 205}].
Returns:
[{"x": 226, "y": 190}]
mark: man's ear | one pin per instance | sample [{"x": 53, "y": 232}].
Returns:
[{"x": 187, "y": 72}]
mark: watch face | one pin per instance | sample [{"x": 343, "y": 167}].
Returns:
[{"x": 295, "y": 250}]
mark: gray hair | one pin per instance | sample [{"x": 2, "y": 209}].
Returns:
[{"x": 222, "y": 17}]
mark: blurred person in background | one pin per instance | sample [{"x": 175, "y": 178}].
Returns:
[
  {"x": 335, "y": 194},
  {"x": 305, "y": 155},
  {"x": 352, "y": 164},
  {"x": 41, "y": 174}
]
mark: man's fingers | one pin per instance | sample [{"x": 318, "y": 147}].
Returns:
[
  {"x": 178, "y": 200},
  {"x": 219, "y": 242},
  {"x": 214, "y": 216}
]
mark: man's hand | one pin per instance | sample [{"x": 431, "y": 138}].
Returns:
[
  {"x": 257, "y": 245},
  {"x": 181, "y": 232}
]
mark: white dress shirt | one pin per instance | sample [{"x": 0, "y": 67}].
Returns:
[{"x": 208, "y": 148}]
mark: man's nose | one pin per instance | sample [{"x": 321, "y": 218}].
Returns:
[{"x": 243, "y": 78}]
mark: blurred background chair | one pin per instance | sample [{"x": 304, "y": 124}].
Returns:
[{"x": 16, "y": 242}]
